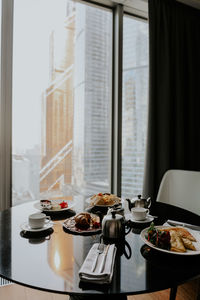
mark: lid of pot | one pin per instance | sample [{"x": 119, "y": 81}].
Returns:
[
  {"x": 115, "y": 216},
  {"x": 112, "y": 216}
]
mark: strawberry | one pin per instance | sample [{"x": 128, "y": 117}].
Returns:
[{"x": 63, "y": 204}]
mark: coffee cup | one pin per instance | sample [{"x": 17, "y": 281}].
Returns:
[
  {"x": 38, "y": 220},
  {"x": 139, "y": 213}
]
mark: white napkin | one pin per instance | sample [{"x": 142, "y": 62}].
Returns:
[{"x": 85, "y": 272}]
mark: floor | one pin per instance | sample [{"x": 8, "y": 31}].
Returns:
[{"x": 16, "y": 292}]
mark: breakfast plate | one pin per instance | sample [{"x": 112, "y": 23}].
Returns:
[
  {"x": 103, "y": 200},
  {"x": 195, "y": 234},
  {"x": 71, "y": 225},
  {"x": 25, "y": 227},
  {"x": 54, "y": 206},
  {"x": 131, "y": 218}
]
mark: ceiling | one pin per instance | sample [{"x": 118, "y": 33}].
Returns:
[
  {"x": 137, "y": 7},
  {"x": 140, "y": 7},
  {"x": 143, "y": 3}
]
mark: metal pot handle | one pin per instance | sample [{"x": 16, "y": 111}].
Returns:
[
  {"x": 127, "y": 227},
  {"x": 129, "y": 254}
]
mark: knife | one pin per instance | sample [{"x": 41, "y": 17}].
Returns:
[{"x": 176, "y": 223}]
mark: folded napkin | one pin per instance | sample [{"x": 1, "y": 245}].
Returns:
[{"x": 86, "y": 273}]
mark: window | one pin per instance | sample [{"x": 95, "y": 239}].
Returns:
[
  {"x": 62, "y": 78},
  {"x": 134, "y": 103},
  {"x": 57, "y": 92}
]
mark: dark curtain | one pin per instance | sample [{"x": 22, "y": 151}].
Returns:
[{"x": 174, "y": 91}]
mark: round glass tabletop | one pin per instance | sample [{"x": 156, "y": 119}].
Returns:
[{"x": 50, "y": 260}]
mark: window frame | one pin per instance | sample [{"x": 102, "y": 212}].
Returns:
[
  {"x": 6, "y": 103},
  {"x": 137, "y": 10}
]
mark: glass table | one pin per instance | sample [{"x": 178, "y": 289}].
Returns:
[{"x": 50, "y": 260}]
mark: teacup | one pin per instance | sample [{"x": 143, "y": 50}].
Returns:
[
  {"x": 139, "y": 213},
  {"x": 38, "y": 220}
]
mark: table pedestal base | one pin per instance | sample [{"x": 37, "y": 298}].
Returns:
[
  {"x": 173, "y": 291},
  {"x": 99, "y": 297}
]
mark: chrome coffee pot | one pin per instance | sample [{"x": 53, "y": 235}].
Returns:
[
  {"x": 114, "y": 226},
  {"x": 139, "y": 202}
]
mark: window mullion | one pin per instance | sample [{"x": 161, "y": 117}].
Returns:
[
  {"x": 117, "y": 99},
  {"x": 6, "y": 103}
]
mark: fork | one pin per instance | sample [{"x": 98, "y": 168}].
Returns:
[
  {"x": 100, "y": 250},
  {"x": 105, "y": 252}
]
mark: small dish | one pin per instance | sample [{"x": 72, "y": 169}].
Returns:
[
  {"x": 39, "y": 206},
  {"x": 147, "y": 220},
  {"x": 25, "y": 227}
]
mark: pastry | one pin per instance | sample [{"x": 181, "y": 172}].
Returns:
[
  {"x": 176, "y": 242},
  {"x": 83, "y": 220},
  {"x": 104, "y": 199},
  {"x": 188, "y": 244},
  {"x": 184, "y": 233}
]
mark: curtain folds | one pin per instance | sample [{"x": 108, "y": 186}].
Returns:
[{"x": 173, "y": 137}]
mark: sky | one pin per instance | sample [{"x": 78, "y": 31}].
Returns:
[{"x": 33, "y": 22}]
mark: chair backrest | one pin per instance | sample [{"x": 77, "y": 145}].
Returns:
[{"x": 182, "y": 189}]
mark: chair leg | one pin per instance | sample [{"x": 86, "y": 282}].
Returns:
[
  {"x": 198, "y": 290},
  {"x": 173, "y": 291}
]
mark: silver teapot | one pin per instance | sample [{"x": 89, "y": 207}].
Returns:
[
  {"x": 139, "y": 202},
  {"x": 114, "y": 226}
]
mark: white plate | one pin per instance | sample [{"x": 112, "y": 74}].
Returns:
[
  {"x": 88, "y": 200},
  {"x": 131, "y": 218},
  {"x": 40, "y": 207},
  {"x": 26, "y": 227},
  {"x": 188, "y": 252}
]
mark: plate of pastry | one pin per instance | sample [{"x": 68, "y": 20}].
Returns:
[
  {"x": 173, "y": 240},
  {"x": 103, "y": 200},
  {"x": 83, "y": 223},
  {"x": 56, "y": 205}
]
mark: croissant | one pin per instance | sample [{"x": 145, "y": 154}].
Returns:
[{"x": 83, "y": 220}]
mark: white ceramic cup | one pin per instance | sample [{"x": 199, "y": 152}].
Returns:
[
  {"x": 38, "y": 220},
  {"x": 139, "y": 213}
]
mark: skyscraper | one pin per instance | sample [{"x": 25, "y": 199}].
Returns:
[
  {"x": 76, "y": 104},
  {"x": 57, "y": 108}
]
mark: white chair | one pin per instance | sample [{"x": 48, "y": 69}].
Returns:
[{"x": 182, "y": 189}]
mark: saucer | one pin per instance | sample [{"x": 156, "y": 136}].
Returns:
[
  {"x": 25, "y": 226},
  {"x": 147, "y": 220}
]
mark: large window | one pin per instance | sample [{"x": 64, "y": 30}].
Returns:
[{"x": 61, "y": 99}]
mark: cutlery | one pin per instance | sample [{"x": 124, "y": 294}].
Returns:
[
  {"x": 100, "y": 250},
  {"x": 104, "y": 258},
  {"x": 176, "y": 223},
  {"x": 153, "y": 216}
]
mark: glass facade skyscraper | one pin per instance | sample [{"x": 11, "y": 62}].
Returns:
[{"x": 74, "y": 155}]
